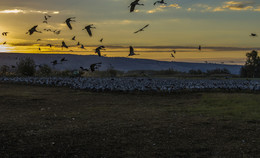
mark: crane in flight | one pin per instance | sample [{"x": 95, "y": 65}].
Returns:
[
  {"x": 64, "y": 45},
  {"x": 95, "y": 66},
  {"x": 5, "y": 33},
  {"x": 68, "y": 22},
  {"x": 133, "y": 4},
  {"x": 32, "y": 30},
  {"x": 253, "y": 35},
  {"x": 142, "y": 29},
  {"x": 161, "y": 2},
  {"x": 98, "y": 50},
  {"x": 131, "y": 51},
  {"x": 199, "y": 48},
  {"x": 88, "y": 28}
]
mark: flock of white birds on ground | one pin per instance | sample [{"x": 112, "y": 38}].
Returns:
[{"x": 89, "y": 28}]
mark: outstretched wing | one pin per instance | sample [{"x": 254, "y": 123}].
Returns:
[
  {"x": 69, "y": 25},
  {"x": 89, "y": 32},
  {"x": 145, "y": 26},
  {"x": 132, "y": 8}
]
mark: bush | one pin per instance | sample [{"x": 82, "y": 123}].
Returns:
[
  {"x": 252, "y": 65},
  {"x": 195, "y": 72},
  {"x": 4, "y": 69},
  {"x": 218, "y": 71},
  {"x": 26, "y": 67},
  {"x": 44, "y": 70}
]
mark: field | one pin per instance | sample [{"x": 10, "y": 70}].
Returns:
[{"x": 40, "y": 121}]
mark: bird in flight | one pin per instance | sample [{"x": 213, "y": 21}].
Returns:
[
  {"x": 32, "y": 30},
  {"x": 199, "y": 48},
  {"x": 4, "y": 43},
  {"x": 131, "y": 49},
  {"x": 64, "y": 45},
  {"x": 253, "y": 35},
  {"x": 54, "y": 62},
  {"x": 5, "y": 33},
  {"x": 101, "y": 40},
  {"x": 57, "y": 32},
  {"x": 98, "y": 50},
  {"x": 83, "y": 69},
  {"x": 73, "y": 38},
  {"x": 161, "y": 2},
  {"x": 95, "y": 66},
  {"x": 82, "y": 46},
  {"x": 38, "y": 39},
  {"x": 172, "y": 55},
  {"x": 50, "y": 45},
  {"x": 142, "y": 29},
  {"x": 46, "y": 17},
  {"x": 88, "y": 28},
  {"x": 71, "y": 19},
  {"x": 63, "y": 59},
  {"x": 133, "y": 4}
]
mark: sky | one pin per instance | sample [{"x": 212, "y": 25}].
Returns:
[{"x": 186, "y": 23}]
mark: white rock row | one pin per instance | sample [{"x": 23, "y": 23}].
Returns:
[{"x": 138, "y": 84}]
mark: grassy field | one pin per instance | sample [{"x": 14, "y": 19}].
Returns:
[{"x": 60, "y": 122}]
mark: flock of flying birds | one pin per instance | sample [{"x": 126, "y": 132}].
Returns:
[{"x": 89, "y": 28}]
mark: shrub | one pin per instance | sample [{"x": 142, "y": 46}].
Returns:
[
  {"x": 4, "y": 69},
  {"x": 252, "y": 65},
  {"x": 26, "y": 67},
  {"x": 195, "y": 72},
  {"x": 218, "y": 71},
  {"x": 44, "y": 70}
]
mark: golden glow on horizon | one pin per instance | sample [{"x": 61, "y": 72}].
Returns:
[
  {"x": 12, "y": 11},
  {"x": 3, "y": 48},
  {"x": 162, "y": 54}
]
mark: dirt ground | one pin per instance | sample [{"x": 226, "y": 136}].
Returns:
[{"x": 40, "y": 121}]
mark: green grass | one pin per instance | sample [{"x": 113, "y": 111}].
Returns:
[
  {"x": 60, "y": 122},
  {"x": 232, "y": 106}
]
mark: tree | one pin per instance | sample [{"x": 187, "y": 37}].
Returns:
[
  {"x": 252, "y": 65},
  {"x": 26, "y": 67}
]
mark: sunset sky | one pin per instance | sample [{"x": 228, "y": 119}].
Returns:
[{"x": 188, "y": 23}]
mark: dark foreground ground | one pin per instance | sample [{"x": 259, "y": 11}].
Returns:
[{"x": 60, "y": 122}]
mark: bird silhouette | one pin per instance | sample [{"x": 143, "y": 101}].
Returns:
[
  {"x": 84, "y": 69},
  {"x": 101, "y": 40},
  {"x": 199, "y": 48},
  {"x": 73, "y": 38},
  {"x": 131, "y": 49},
  {"x": 50, "y": 45},
  {"x": 95, "y": 66},
  {"x": 4, "y": 43},
  {"x": 63, "y": 59},
  {"x": 142, "y": 29},
  {"x": 47, "y": 30},
  {"x": 32, "y": 30},
  {"x": 71, "y": 19},
  {"x": 98, "y": 50},
  {"x": 161, "y": 2},
  {"x": 78, "y": 44},
  {"x": 133, "y": 4},
  {"x": 54, "y": 62},
  {"x": 82, "y": 46},
  {"x": 5, "y": 33},
  {"x": 64, "y": 45},
  {"x": 88, "y": 28},
  {"x": 38, "y": 39},
  {"x": 253, "y": 35},
  {"x": 57, "y": 32},
  {"x": 172, "y": 55}
]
